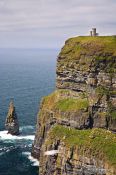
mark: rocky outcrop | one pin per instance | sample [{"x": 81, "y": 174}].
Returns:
[
  {"x": 75, "y": 119},
  {"x": 76, "y": 155},
  {"x": 12, "y": 124},
  {"x": 89, "y": 66}
]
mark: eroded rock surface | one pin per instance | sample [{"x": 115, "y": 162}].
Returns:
[
  {"x": 75, "y": 119},
  {"x": 12, "y": 124}
]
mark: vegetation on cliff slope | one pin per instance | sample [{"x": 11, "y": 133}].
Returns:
[
  {"x": 64, "y": 101},
  {"x": 101, "y": 143},
  {"x": 72, "y": 104}
]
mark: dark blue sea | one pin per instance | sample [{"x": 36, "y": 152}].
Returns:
[{"x": 26, "y": 75}]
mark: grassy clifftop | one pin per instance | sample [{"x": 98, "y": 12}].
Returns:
[
  {"x": 84, "y": 50},
  {"x": 89, "y": 44}
]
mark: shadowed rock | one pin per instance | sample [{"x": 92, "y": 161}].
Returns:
[{"x": 12, "y": 124}]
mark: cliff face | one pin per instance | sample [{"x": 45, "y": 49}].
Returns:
[
  {"x": 75, "y": 119},
  {"x": 88, "y": 65}
]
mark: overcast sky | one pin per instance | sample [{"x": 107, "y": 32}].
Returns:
[{"x": 48, "y": 23}]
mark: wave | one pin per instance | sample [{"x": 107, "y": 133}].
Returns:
[
  {"x": 34, "y": 161},
  {"x": 27, "y": 127},
  {"x": 6, "y": 150},
  {"x": 5, "y": 136},
  {"x": 51, "y": 152},
  {"x": 1, "y": 154}
]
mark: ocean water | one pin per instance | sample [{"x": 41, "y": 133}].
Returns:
[{"x": 26, "y": 75}]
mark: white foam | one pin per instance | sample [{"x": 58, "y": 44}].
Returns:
[
  {"x": 26, "y": 127},
  {"x": 30, "y": 145},
  {"x": 33, "y": 160},
  {"x": 5, "y": 149},
  {"x": 51, "y": 152},
  {"x": 1, "y": 154},
  {"x": 5, "y": 136}
]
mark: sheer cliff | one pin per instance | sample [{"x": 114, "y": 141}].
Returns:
[{"x": 76, "y": 124}]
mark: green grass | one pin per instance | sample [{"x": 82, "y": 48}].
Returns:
[
  {"x": 80, "y": 49},
  {"x": 112, "y": 92},
  {"x": 100, "y": 90},
  {"x": 106, "y": 43},
  {"x": 100, "y": 142},
  {"x": 103, "y": 114},
  {"x": 70, "y": 104},
  {"x": 102, "y": 42},
  {"x": 113, "y": 115},
  {"x": 65, "y": 101}
]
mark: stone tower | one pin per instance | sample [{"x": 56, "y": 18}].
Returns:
[
  {"x": 93, "y": 32},
  {"x": 12, "y": 124}
]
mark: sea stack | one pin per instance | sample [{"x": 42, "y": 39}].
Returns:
[{"x": 12, "y": 124}]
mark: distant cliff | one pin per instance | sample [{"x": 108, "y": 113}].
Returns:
[{"x": 79, "y": 118}]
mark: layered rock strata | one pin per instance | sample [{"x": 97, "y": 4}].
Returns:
[
  {"x": 78, "y": 121},
  {"x": 12, "y": 124}
]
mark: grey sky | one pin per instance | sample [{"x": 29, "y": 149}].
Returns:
[{"x": 48, "y": 23}]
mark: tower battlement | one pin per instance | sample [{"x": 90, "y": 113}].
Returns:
[{"x": 93, "y": 32}]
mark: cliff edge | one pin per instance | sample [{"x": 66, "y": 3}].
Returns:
[{"x": 77, "y": 123}]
